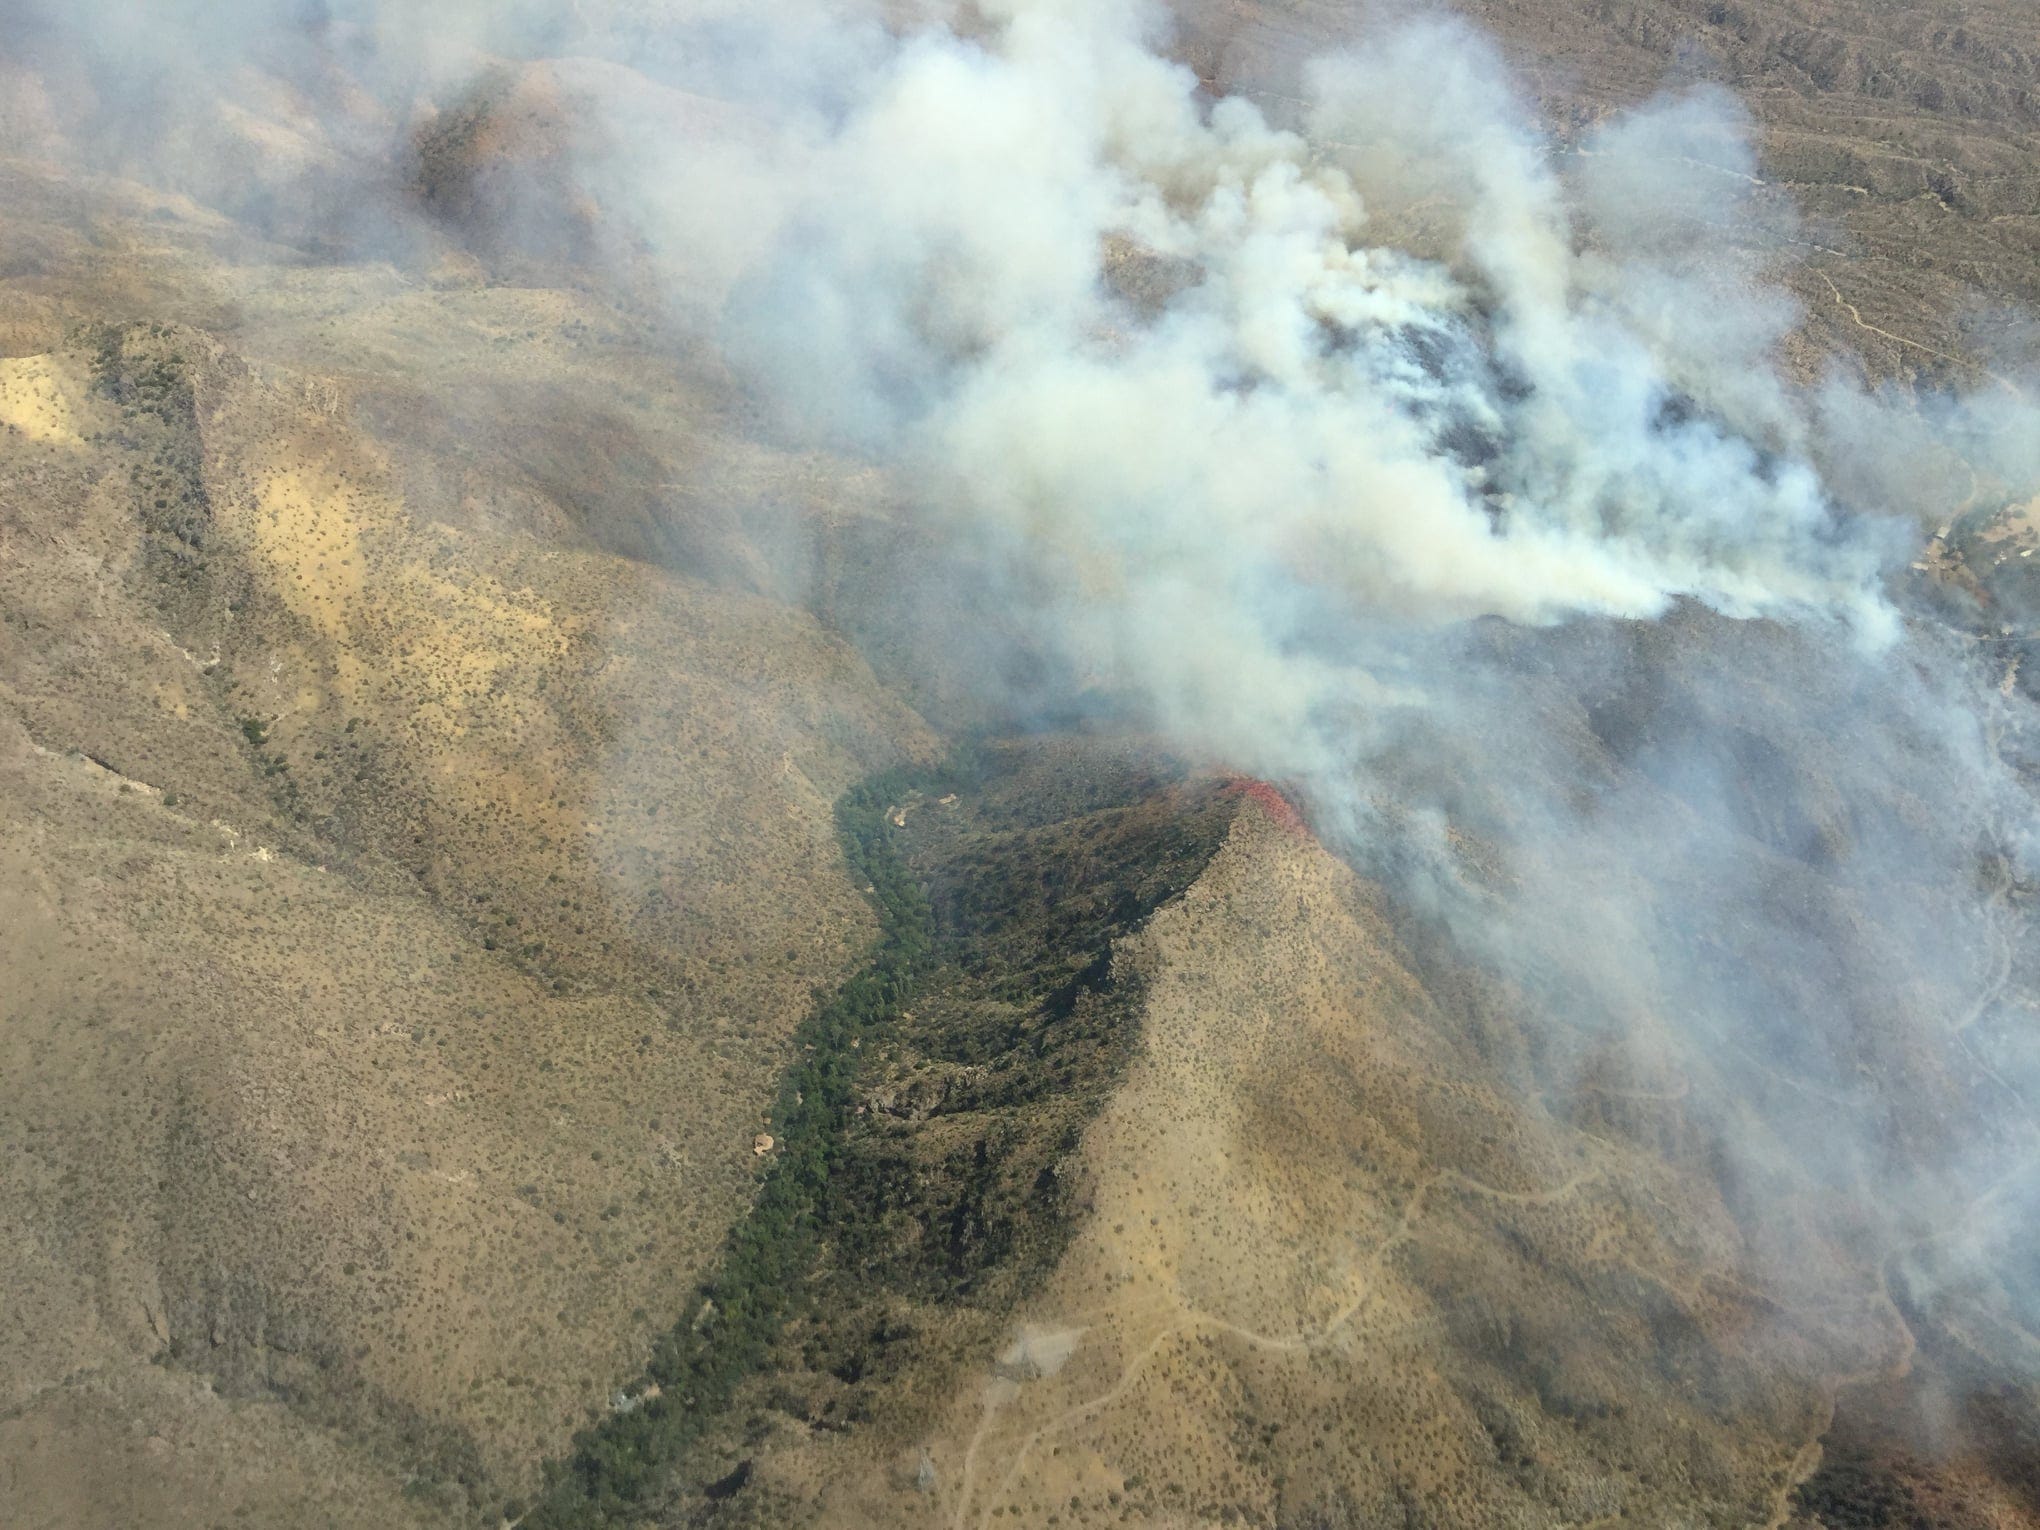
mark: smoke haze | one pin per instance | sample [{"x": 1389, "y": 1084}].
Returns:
[
  {"x": 1262, "y": 430},
  {"x": 1450, "y": 477}
]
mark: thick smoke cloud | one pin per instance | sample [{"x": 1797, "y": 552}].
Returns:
[
  {"x": 1317, "y": 419},
  {"x": 1395, "y": 455},
  {"x": 1458, "y": 483}
]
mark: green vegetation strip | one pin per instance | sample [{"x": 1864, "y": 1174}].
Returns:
[{"x": 620, "y": 1466}]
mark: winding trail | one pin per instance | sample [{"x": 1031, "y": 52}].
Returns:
[
  {"x": 1192, "y": 1321},
  {"x": 1808, "y": 1460},
  {"x": 978, "y": 1506},
  {"x": 1856, "y": 317}
]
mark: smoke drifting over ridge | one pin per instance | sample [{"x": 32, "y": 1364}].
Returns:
[
  {"x": 1317, "y": 423},
  {"x": 1570, "y": 406},
  {"x": 1373, "y": 455},
  {"x": 1262, "y": 428}
]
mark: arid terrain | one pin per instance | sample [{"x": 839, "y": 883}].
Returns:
[
  {"x": 431, "y": 682},
  {"x": 1900, "y": 136}
]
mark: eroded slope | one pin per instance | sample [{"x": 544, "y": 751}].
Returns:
[{"x": 411, "y": 904}]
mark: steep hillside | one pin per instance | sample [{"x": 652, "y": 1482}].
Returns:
[
  {"x": 1373, "y": 1235},
  {"x": 409, "y": 901}
]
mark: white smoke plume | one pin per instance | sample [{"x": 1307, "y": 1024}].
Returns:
[
  {"x": 1565, "y": 409},
  {"x": 1457, "y": 481}
]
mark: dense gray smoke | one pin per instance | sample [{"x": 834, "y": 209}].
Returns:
[{"x": 1394, "y": 455}]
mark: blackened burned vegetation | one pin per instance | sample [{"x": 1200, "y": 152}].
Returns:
[{"x": 921, "y": 1177}]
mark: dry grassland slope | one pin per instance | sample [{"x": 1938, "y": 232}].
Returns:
[{"x": 407, "y": 901}]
